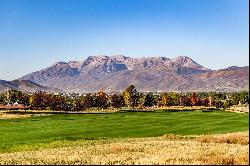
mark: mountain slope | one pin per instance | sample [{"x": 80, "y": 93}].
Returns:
[
  {"x": 4, "y": 85},
  {"x": 115, "y": 73},
  {"x": 26, "y": 86}
]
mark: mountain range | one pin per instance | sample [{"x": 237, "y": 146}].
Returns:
[{"x": 115, "y": 73}]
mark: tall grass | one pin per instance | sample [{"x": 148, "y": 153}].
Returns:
[{"x": 154, "y": 150}]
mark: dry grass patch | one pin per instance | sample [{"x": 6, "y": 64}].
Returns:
[
  {"x": 13, "y": 115},
  {"x": 231, "y": 138},
  {"x": 91, "y": 110},
  {"x": 127, "y": 151}
]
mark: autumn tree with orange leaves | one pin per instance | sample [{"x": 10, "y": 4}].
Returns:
[{"x": 194, "y": 99}]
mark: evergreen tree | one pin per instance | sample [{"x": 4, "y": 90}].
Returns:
[{"x": 149, "y": 100}]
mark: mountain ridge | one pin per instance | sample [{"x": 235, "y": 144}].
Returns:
[{"x": 115, "y": 73}]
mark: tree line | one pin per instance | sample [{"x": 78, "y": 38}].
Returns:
[{"x": 130, "y": 97}]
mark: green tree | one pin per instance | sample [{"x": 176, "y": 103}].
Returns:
[
  {"x": 141, "y": 99},
  {"x": 149, "y": 100},
  {"x": 77, "y": 104},
  {"x": 88, "y": 101},
  {"x": 41, "y": 100},
  {"x": 24, "y": 99},
  {"x": 15, "y": 96},
  {"x": 218, "y": 103},
  {"x": 68, "y": 104},
  {"x": 227, "y": 103},
  {"x": 174, "y": 99},
  {"x": 117, "y": 101},
  {"x": 130, "y": 96},
  {"x": 57, "y": 103},
  {"x": 244, "y": 97},
  {"x": 2, "y": 98}
]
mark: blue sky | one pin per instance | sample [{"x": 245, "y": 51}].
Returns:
[{"x": 37, "y": 33}]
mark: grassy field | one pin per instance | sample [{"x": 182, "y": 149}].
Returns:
[
  {"x": 124, "y": 125},
  {"x": 159, "y": 137},
  {"x": 222, "y": 149}
]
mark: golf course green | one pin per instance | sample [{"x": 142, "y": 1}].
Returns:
[{"x": 121, "y": 124}]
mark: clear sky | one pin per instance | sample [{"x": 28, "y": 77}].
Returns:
[{"x": 37, "y": 33}]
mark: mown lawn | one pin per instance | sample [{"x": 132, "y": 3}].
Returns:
[{"x": 128, "y": 124}]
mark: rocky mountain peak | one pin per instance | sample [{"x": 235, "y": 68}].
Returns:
[
  {"x": 100, "y": 65},
  {"x": 119, "y": 57},
  {"x": 185, "y": 61},
  {"x": 75, "y": 64},
  {"x": 114, "y": 73},
  {"x": 58, "y": 64}
]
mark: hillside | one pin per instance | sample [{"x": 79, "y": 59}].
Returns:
[{"x": 25, "y": 85}]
